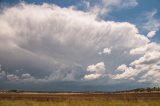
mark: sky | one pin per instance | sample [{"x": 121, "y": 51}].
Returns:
[{"x": 79, "y": 45}]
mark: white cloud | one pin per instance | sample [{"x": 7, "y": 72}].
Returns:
[
  {"x": 92, "y": 76},
  {"x": 122, "y": 67},
  {"x": 151, "y": 34},
  {"x": 95, "y": 71},
  {"x": 127, "y": 72},
  {"x": 98, "y": 68},
  {"x": 105, "y": 51},
  {"x": 147, "y": 58},
  {"x": 138, "y": 51},
  {"x": 150, "y": 47},
  {"x": 86, "y": 23},
  {"x": 144, "y": 69}
]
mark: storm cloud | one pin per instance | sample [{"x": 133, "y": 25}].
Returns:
[{"x": 47, "y": 43}]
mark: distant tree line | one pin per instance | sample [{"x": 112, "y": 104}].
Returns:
[
  {"x": 153, "y": 89},
  {"x": 147, "y": 89}
]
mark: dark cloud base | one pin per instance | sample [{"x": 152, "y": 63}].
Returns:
[{"x": 69, "y": 86}]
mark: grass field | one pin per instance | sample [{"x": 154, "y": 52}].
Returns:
[
  {"x": 124, "y": 99},
  {"x": 73, "y": 102}
]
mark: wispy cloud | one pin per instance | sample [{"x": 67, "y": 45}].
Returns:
[{"x": 104, "y": 7}]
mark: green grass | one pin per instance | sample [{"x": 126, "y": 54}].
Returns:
[{"x": 76, "y": 102}]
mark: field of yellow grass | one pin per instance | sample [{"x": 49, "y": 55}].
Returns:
[
  {"x": 76, "y": 102},
  {"x": 84, "y": 99}
]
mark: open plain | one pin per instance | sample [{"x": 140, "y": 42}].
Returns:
[{"x": 80, "y": 99}]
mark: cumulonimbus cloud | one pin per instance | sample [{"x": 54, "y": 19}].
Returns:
[{"x": 58, "y": 44}]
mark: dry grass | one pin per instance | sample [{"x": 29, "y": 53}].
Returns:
[
  {"x": 76, "y": 102},
  {"x": 128, "y": 99}
]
